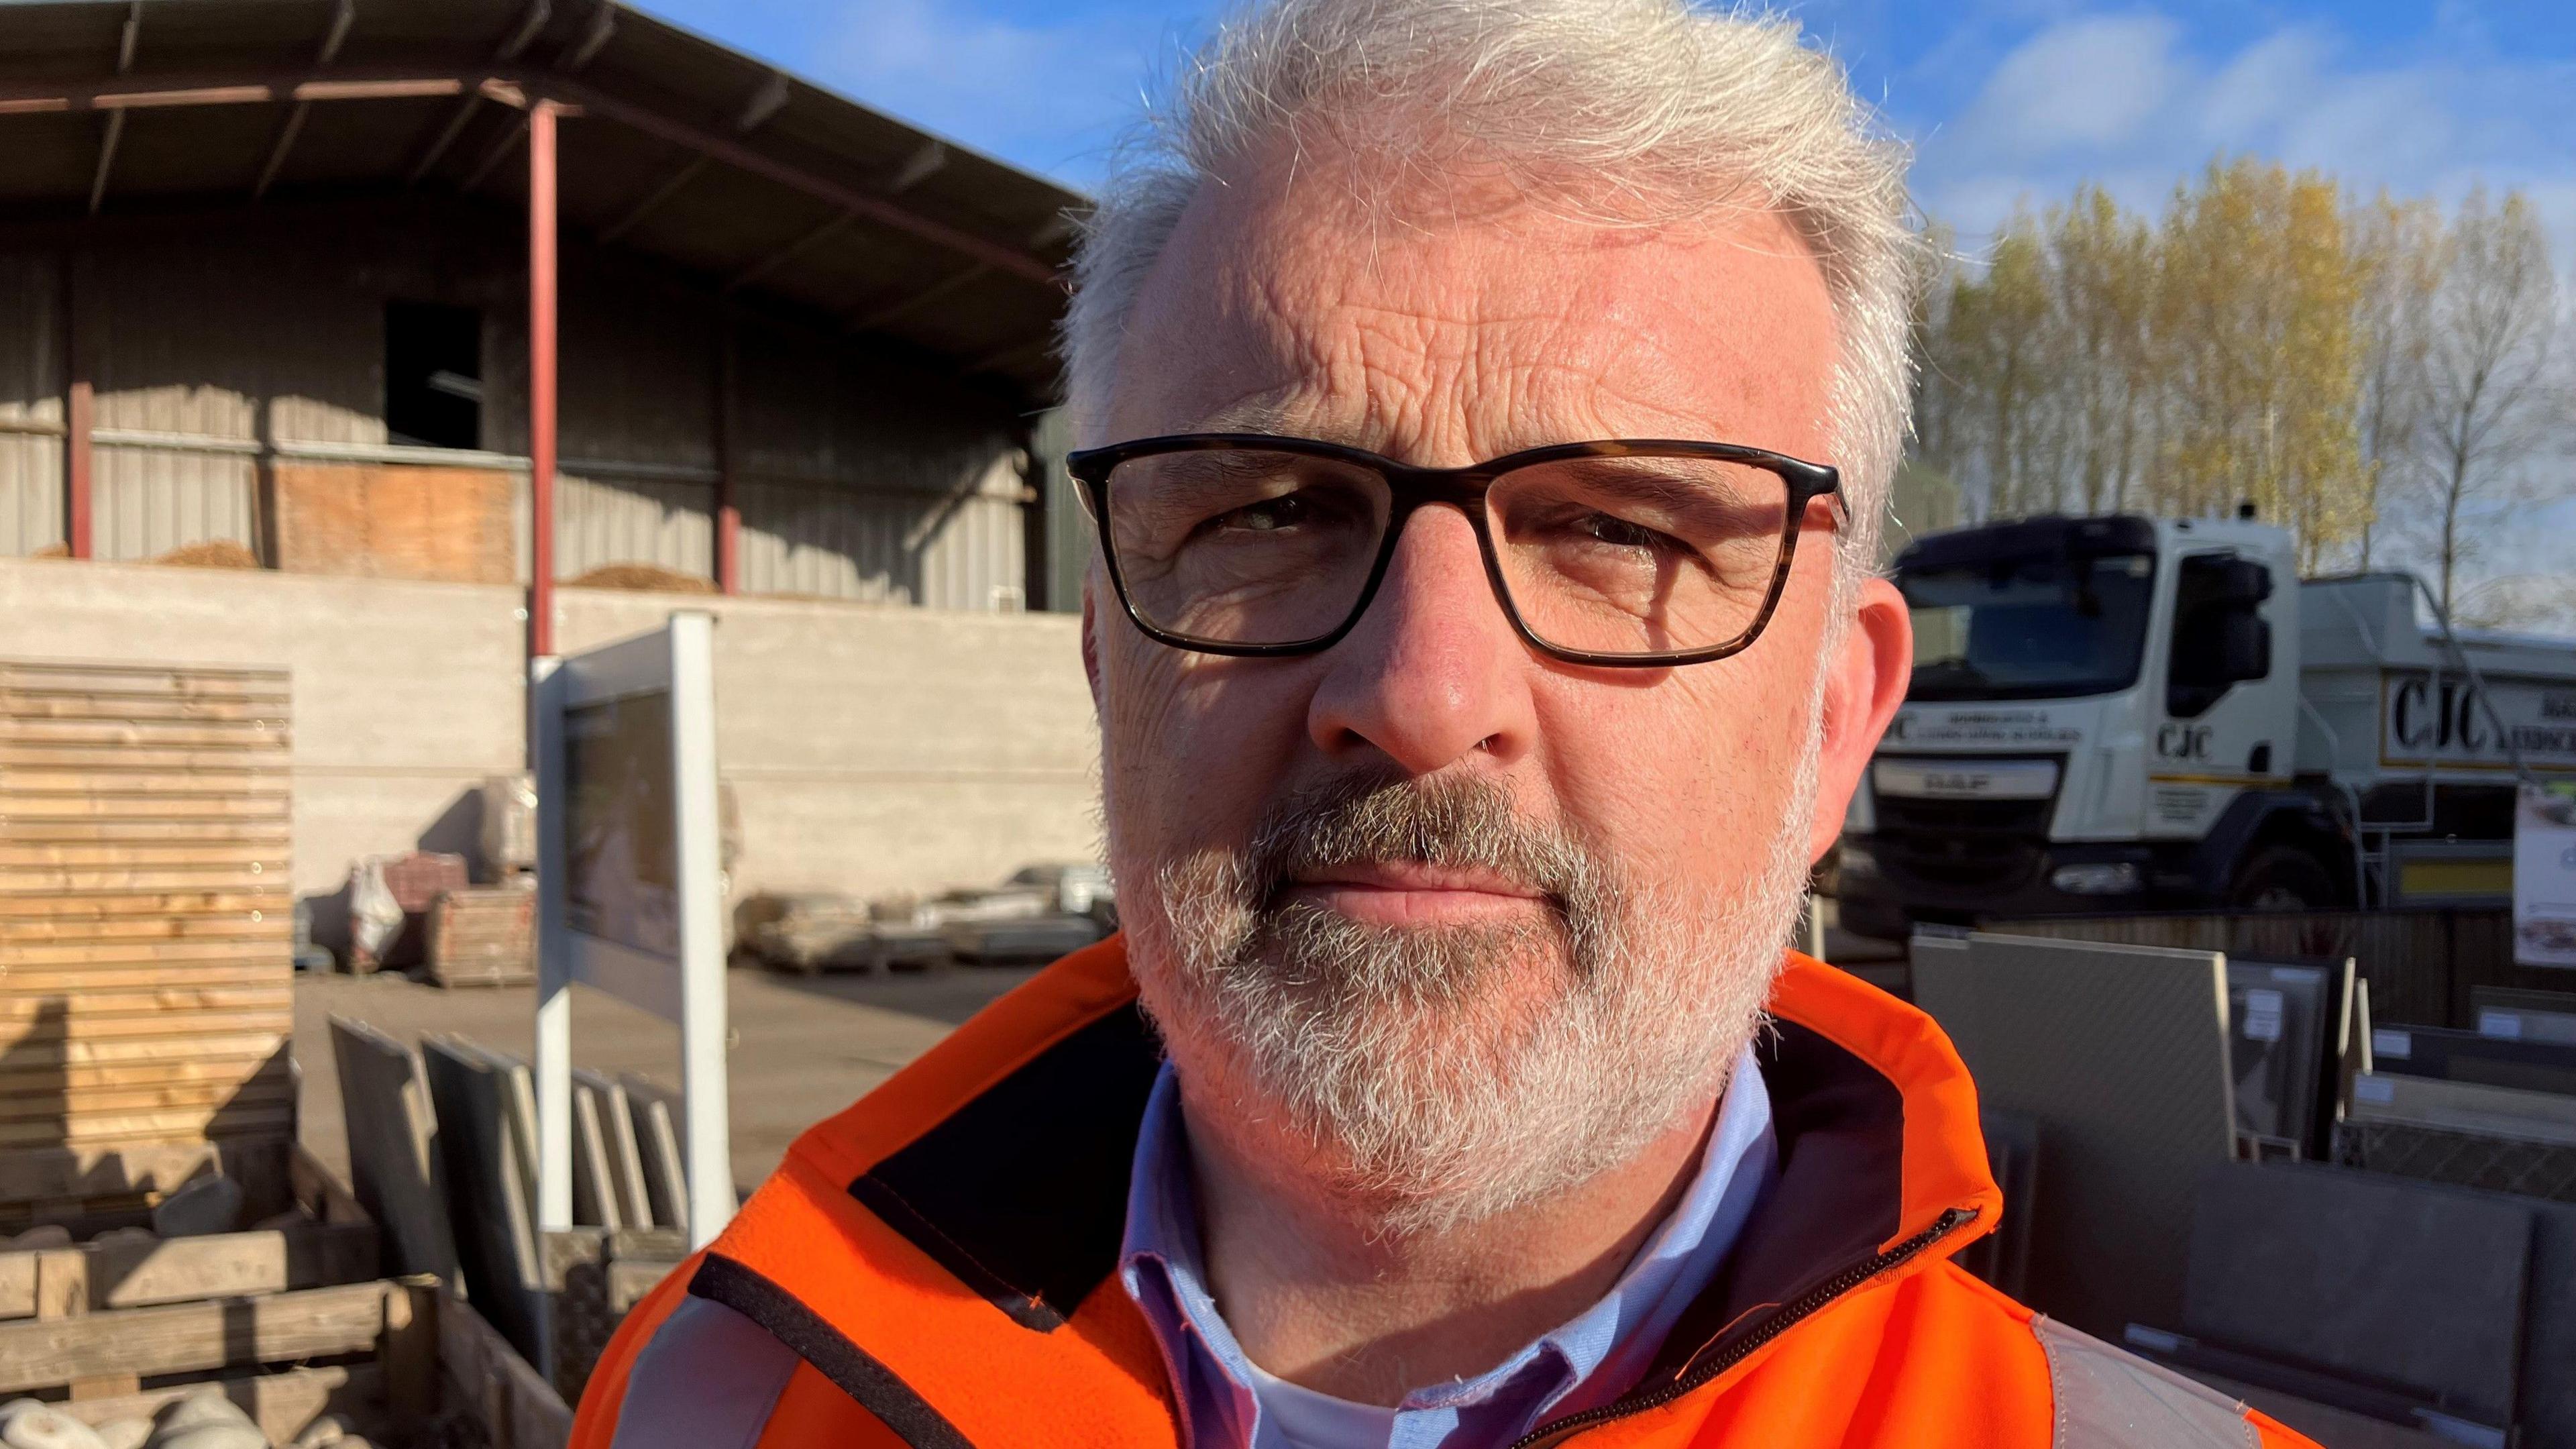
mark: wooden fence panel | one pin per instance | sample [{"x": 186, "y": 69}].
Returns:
[{"x": 146, "y": 925}]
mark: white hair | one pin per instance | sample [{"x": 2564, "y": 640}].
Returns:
[{"x": 1666, "y": 110}]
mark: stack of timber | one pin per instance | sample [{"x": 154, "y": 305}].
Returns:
[
  {"x": 146, "y": 914},
  {"x": 482, "y": 936}
]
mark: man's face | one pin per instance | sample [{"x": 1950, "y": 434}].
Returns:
[{"x": 1497, "y": 828}]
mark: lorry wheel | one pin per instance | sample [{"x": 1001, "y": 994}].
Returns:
[{"x": 2282, "y": 878}]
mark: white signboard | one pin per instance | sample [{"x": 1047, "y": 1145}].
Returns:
[
  {"x": 2452, "y": 723},
  {"x": 630, "y": 896},
  {"x": 2544, "y": 875},
  {"x": 621, "y": 882}
]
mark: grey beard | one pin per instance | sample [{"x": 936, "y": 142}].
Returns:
[{"x": 1447, "y": 1075}]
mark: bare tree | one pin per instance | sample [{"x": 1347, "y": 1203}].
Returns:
[
  {"x": 2541, "y": 602},
  {"x": 2491, "y": 401},
  {"x": 2103, "y": 293},
  {"x": 2397, "y": 249}
]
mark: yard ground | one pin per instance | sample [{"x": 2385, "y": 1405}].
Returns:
[{"x": 803, "y": 1047}]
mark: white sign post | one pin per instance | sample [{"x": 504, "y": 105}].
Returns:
[
  {"x": 2544, "y": 875},
  {"x": 629, "y": 891}
]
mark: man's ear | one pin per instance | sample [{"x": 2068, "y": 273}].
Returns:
[{"x": 1864, "y": 684}]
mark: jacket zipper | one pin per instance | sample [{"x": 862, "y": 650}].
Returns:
[{"x": 1781, "y": 1322}]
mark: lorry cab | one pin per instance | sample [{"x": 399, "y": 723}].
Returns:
[{"x": 2103, "y": 717}]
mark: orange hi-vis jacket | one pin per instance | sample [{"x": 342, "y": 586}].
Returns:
[{"x": 936, "y": 1267}]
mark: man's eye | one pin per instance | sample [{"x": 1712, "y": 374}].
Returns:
[
  {"x": 1267, "y": 516},
  {"x": 1620, "y": 533}
]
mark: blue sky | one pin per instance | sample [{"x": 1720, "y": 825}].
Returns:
[{"x": 2004, "y": 99}]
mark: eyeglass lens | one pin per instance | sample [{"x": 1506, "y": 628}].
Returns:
[{"x": 1628, "y": 555}]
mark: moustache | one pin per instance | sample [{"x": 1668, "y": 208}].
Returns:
[{"x": 1453, "y": 822}]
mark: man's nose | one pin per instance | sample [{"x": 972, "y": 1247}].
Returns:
[{"x": 1433, "y": 672}]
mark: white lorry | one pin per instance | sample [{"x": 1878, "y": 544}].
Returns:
[{"x": 2127, "y": 715}]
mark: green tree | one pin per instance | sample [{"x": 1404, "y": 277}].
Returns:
[{"x": 2256, "y": 317}]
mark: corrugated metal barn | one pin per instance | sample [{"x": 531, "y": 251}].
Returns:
[{"x": 273, "y": 272}]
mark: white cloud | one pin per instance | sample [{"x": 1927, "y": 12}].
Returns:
[
  {"x": 2082, "y": 83},
  {"x": 2265, "y": 81},
  {"x": 2123, "y": 99}
]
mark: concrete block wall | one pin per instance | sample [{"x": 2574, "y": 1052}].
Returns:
[
  {"x": 870, "y": 749},
  {"x": 407, "y": 695},
  {"x": 876, "y": 749}
]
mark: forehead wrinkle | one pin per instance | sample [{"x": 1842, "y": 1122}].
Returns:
[
  {"x": 1471, "y": 380},
  {"x": 1459, "y": 339},
  {"x": 1499, "y": 396}
]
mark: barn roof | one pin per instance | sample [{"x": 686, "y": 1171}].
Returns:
[{"x": 759, "y": 182}]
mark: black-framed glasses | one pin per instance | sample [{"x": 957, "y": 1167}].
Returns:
[{"x": 1637, "y": 553}]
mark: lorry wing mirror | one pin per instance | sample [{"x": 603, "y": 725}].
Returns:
[
  {"x": 2242, "y": 582},
  {"x": 2227, "y": 647},
  {"x": 2220, "y": 636}
]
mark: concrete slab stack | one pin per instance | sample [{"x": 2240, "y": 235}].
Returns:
[
  {"x": 393, "y": 1148},
  {"x": 2119, "y": 1054},
  {"x": 2365, "y": 1309}
]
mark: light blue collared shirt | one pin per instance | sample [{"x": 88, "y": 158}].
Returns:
[{"x": 1228, "y": 1402}]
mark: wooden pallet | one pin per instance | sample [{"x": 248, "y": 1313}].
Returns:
[
  {"x": 302, "y": 1231},
  {"x": 146, "y": 909},
  {"x": 90, "y": 1189},
  {"x": 401, "y": 1359},
  {"x": 482, "y": 936},
  {"x": 289, "y": 1322},
  {"x": 329, "y": 1240}
]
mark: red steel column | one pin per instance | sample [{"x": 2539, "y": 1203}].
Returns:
[
  {"x": 541, "y": 378},
  {"x": 728, "y": 511},
  {"x": 79, "y": 411}
]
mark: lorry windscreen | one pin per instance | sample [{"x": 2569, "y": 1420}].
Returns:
[{"x": 2032, "y": 626}]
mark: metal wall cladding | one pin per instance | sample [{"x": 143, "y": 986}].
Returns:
[
  {"x": 869, "y": 479},
  {"x": 1067, "y": 523},
  {"x": 207, "y": 354},
  {"x": 638, "y": 381},
  {"x": 958, "y": 550},
  {"x": 602, "y": 519},
  {"x": 865, "y": 475},
  {"x": 975, "y": 557},
  {"x": 252, "y": 340},
  {"x": 31, "y": 403},
  {"x": 31, "y": 493},
  {"x": 148, "y": 502}
]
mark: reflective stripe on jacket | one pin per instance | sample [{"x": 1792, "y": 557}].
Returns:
[{"x": 935, "y": 1268}]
